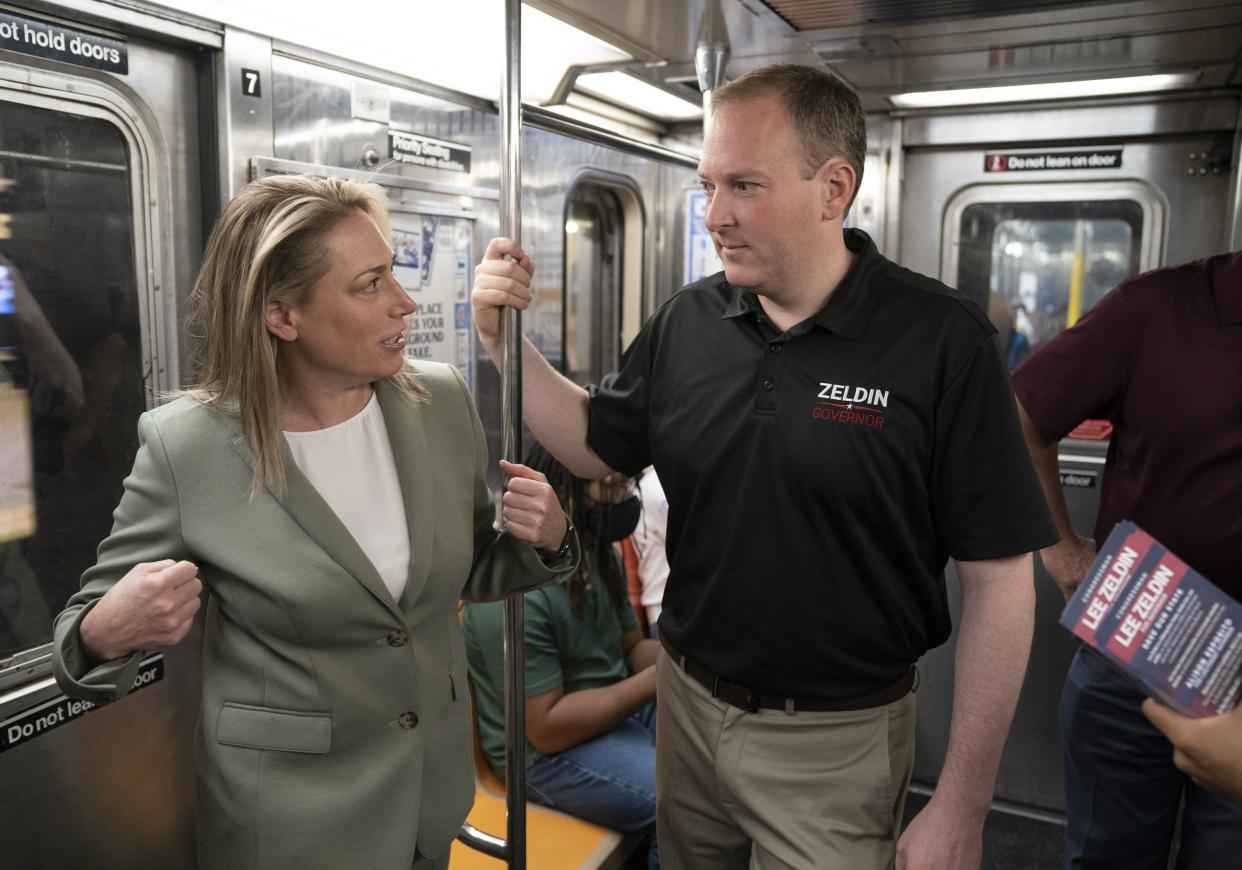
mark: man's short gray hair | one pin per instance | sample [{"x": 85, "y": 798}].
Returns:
[{"x": 826, "y": 113}]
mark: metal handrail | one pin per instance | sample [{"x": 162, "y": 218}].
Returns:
[{"x": 480, "y": 841}]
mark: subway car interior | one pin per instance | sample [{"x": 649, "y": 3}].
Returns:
[{"x": 1031, "y": 154}]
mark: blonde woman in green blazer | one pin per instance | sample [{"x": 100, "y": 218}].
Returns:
[{"x": 335, "y": 724}]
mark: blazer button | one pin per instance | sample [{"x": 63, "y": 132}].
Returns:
[
  {"x": 407, "y": 720},
  {"x": 397, "y": 638}
]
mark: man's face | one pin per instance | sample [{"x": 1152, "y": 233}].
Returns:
[{"x": 765, "y": 217}]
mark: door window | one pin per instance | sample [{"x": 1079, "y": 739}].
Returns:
[
  {"x": 1036, "y": 267},
  {"x": 73, "y": 351},
  {"x": 593, "y": 259}
]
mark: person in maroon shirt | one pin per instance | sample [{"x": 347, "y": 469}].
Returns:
[{"x": 1161, "y": 358}]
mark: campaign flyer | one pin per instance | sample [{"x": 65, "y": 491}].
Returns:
[{"x": 1161, "y": 622}]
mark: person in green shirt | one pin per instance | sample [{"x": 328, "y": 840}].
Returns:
[{"x": 590, "y": 674}]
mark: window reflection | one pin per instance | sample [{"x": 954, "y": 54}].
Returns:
[
  {"x": 592, "y": 284},
  {"x": 1037, "y": 267},
  {"x": 74, "y": 349}
]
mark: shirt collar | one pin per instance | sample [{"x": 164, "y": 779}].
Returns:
[
  {"x": 1227, "y": 287},
  {"x": 741, "y": 302},
  {"x": 848, "y": 308}
]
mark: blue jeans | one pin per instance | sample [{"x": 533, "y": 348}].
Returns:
[
  {"x": 609, "y": 780},
  {"x": 1121, "y": 788}
]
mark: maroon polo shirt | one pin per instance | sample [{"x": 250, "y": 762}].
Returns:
[{"x": 1160, "y": 357}]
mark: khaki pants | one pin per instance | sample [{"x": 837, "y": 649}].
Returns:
[{"x": 771, "y": 790}]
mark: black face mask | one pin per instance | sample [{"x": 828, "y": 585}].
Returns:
[{"x": 614, "y": 522}]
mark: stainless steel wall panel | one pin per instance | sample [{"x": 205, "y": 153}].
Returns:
[
  {"x": 137, "y": 18},
  {"x": 830, "y": 14},
  {"x": 666, "y": 31},
  {"x": 313, "y": 123},
  {"x": 170, "y": 91},
  {"x": 245, "y": 121},
  {"x": 1042, "y": 124},
  {"x": 1196, "y": 226},
  {"x": 363, "y": 71},
  {"x": 1019, "y": 57}
]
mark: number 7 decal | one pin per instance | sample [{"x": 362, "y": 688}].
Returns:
[{"x": 250, "y": 83}]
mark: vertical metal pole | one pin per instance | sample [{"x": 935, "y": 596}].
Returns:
[
  {"x": 515, "y": 731},
  {"x": 1234, "y": 242},
  {"x": 711, "y": 54},
  {"x": 511, "y": 441},
  {"x": 511, "y": 227}
]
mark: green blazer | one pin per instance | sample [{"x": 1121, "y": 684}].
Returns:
[{"x": 335, "y": 728}]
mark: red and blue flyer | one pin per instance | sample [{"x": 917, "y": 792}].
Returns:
[{"x": 1160, "y": 622}]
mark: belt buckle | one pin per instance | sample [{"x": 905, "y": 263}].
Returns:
[{"x": 750, "y": 703}]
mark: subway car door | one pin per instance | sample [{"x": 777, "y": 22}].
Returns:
[
  {"x": 1035, "y": 250},
  {"x": 103, "y": 195},
  {"x": 591, "y": 337}
]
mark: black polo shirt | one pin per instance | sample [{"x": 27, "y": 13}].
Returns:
[{"x": 818, "y": 479}]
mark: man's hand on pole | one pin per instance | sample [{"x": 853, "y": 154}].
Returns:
[{"x": 501, "y": 280}]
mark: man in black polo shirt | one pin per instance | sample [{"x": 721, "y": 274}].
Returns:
[{"x": 830, "y": 429}]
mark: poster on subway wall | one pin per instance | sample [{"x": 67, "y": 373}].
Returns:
[
  {"x": 434, "y": 257},
  {"x": 701, "y": 258},
  {"x": 1160, "y": 622}
]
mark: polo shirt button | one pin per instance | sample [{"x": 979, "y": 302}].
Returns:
[
  {"x": 775, "y": 347},
  {"x": 769, "y": 384},
  {"x": 407, "y": 720},
  {"x": 397, "y": 638}
]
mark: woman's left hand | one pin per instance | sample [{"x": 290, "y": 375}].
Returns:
[{"x": 531, "y": 510}]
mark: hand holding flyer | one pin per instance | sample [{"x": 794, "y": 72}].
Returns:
[{"x": 1160, "y": 622}]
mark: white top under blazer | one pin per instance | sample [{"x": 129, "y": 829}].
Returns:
[{"x": 352, "y": 467}]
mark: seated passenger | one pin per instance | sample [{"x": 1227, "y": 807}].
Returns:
[
  {"x": 590, "y": 675},
  {"x": 648, "y": 540}
]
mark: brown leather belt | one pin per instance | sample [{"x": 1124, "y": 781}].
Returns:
[{"x": 752, "y": 700}]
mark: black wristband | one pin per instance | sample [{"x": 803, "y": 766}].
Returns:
[{"x": 566, "y": 542}]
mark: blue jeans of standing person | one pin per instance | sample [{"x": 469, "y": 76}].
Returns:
[
  {"x": 609, "y": 780},
  {"x": 1121, "y": 789}
]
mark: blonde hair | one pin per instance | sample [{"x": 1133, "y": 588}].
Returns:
[{"x": 268, "y": 246}]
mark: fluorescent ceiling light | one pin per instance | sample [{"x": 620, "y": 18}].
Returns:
[
  {"x": 633, "y": 93},
  {"x": 550, "y": 46},
  {"x": 1043, "y": 91},
  {"x": 413, "y": 39}
]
